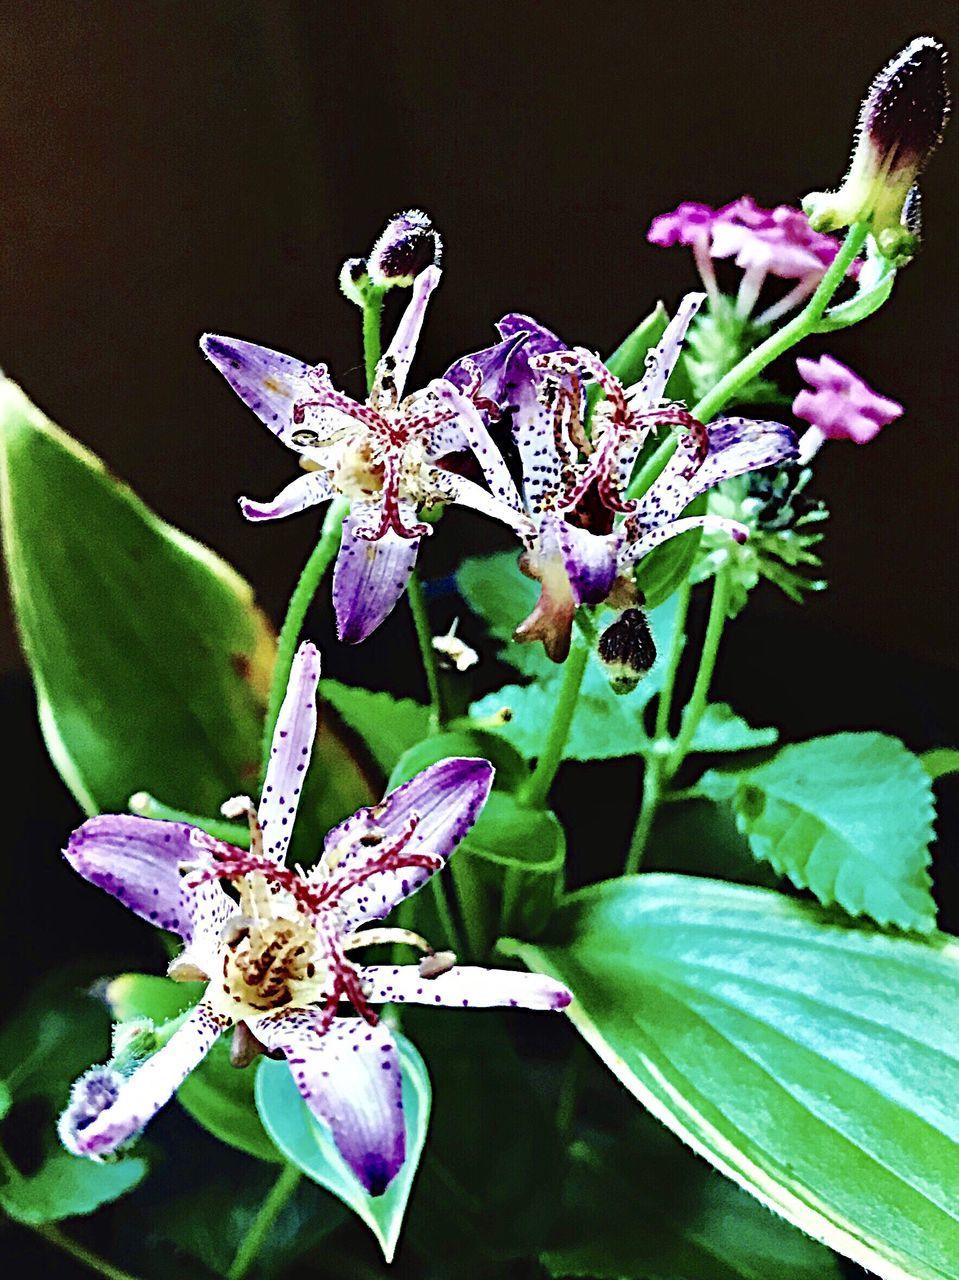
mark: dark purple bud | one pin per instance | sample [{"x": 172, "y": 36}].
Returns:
[
  {"x": 627, "y": 650},
  {"x": 408, "y": 246}
]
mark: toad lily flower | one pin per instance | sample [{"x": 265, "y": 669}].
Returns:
[
  {"x": 383, "y": 455},
  {"x": 581, "y": 531},
  {"x": 276, "y": 956}
]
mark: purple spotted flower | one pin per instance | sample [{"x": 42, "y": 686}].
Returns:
[
  {"x": 581, "y": 531},
  {"x": 383, "y": 455},
  {"x": 839, "y": 406},
  {"x": 762, "y": 242},
  {"x": 276, "y": 957}
]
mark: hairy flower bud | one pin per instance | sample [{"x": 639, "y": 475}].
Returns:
[
  {"x": 354, "y": 280},
  {"x": 408, "y": 246},
  {"x": 627, "y": 650},
  {"x": 900, "y": 124},
  {"x": 95, "y": 1091}
]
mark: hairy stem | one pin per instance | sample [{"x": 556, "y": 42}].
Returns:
[
  {"x": 320, "y": 559},
  {"x": 652, "y": 791},
  {"x": 424, "y": 636},
  {"x": 92, "y": 1261},
  {"x": 267, "y": 1214},
  {"x": 372, "y": 341},
  {"x": 707, "y": 664},
  {"x": 536, "y": 789}
]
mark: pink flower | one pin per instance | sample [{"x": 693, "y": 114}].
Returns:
[
  {"x": 763, "y": 242},
  {"x": 840, "y": 406}
]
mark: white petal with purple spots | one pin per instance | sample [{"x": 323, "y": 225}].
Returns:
[
  {"x": 463, "y": 987},
  {"x": 267, "y": 381},
  {"x": 304, "y": 491},
  {"x": 399, "y": 354},
  {"x": 290, "y": 753}
]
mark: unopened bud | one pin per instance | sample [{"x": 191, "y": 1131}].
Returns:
[
  {"x": 408, "y": 246},
  {"x": 354, "y": 280},
  {"x": 627, "y": 650},
  {"x": 900, "y": 125}
]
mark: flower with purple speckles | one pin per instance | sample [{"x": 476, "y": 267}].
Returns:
[
  {"x": 276, "y": 957},
  {"x": 384, "y": 455},
  {"x": 762, "y": 242},
  {"x": 582, "y": 533},
  {"x": 839, "y": 406}
]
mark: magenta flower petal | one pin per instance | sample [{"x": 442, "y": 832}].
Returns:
[
  {"x": 268, "y": 382},
  {"x": 440, "y": 805},
  {"x": 685, "y": 225},
  {"x": 840, "y": 404},
  {"x": 140, "y": 1096},
  {"x": 369, "y": 577},
  {"x": 137, "y": 860},
  {"x": 463, "y": 987},
  {"x": 304, "y": 491},
  {"x": 349, "y": 1076},
  {"x": 290, "y": 753}
]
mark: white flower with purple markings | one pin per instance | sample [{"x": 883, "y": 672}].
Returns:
[{"x": 276, "y": 957}]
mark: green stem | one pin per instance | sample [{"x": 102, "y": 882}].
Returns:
[
  {"x": 320, "y": 559},
  {"x": 536, "y": 789},
  {"x": 665, "y": 703},
  {"x": 146, "y": 806},
  {"x": 445, "y": 914},
  {"x": 424, "y": 636},
  {"x": 707, "y": 664},
  {"x": 372, "y": 342},
  {"x": 267, "y": 1214},
  {"x": 85, "y": 1256},
  {"x": 652, "y": 790}
]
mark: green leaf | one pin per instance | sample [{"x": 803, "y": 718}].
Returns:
[
  {"x": 666, "y": 568},
  {"x": 149, "y": 656},
  {"x": 674, "y": 1218},
  {"x": 606, "y": 726},
  {"x": 217, "y": 1095},
  {"x": 874, "y": 287},
  {"x": 511, "y": 771},
  {"x": 940, "y": 762},
  {"x": 389, "y": 726},
  {"x": 721, "y": 729},
  {"x": 628, "y": 361},
  {"x": 496, "y": 591},
  {"x": 308, "y": 1144},
  {"x": 848, "y": 817},
  {"x": 815, "y": 1063},
  {"x": 68, "y": 1185}
]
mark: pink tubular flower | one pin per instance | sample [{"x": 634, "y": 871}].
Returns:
[
  {"x": 763, "y": 242},
  {"x": 840, "y": 406},
  {"x": 277, "y": 957}
]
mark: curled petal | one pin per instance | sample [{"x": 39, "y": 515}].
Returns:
[
  {"x": 138, "y": 861},
  {"x": 649, "y": 391},
  {"x": 398, "y": 356},
  {"x": 492, "y": 364},
  {"x": 466, "y": 493},
  {"x": 290, "y": 753},
  {"x": 349, "y": 1076},
  {"x": 634, "y": 550},
  {"x": 440, "y": 804},
  {"x": 304, "y": 491},
  {"x": 369, "y": 577},
  {"x": 463, "y": 987},
  {"x": 141, "y": 1095},
  {"x": 479, "y": 440},
  {"x": 589, "y": 560}
]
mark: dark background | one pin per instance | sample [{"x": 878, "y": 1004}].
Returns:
[{"x": 171, "y": 167}]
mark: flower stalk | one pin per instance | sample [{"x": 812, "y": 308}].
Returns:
[{"x": 268, "y": 1212}]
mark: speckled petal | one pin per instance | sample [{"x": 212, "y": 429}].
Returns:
[
  {"x": 349, "y": 1076},
  {"x": 532, "y": 420},
  {"x": 446, "y": 799},
  {"x": 369, "y": 577},
  {"x": 290, "y": 753},
  {"x": 304, "y": 491},
  {"x": 138, "y": 861},
  {"x": 399, "y": 355},
  {"x": 143, "y": 1093},
  {"x": 463, "y": 987},
  {"x": 649, "y": 391},
  {"x": 479, "y": 440},
  {"x": 632, "y": 551},
  {"x": 268, "y": 382},
  {"x": 458, "y": 489},
  {"x": 589, "y": 559}
]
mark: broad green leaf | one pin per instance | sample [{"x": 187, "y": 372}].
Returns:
[
  {"x": 308, "y": 1144},
  {"x": 721, "y": 729},
  {"x": 496, "y": 590},
  {"x": 848, "y": 817},
  {"x": 814, "y": 1062},
  {"x": 468, "y": 741},
  {"x": 940, "y": 762},
  {"x": 217, "y": 1095},
  {"x": 389, "y": 726},
  {"x": 150, "y": 659},
  {"x": 66, "y": 1186},
  {"x": 674, "y": 1219},
  {"x": 666, "y": 568},
  {"x": 605, "y": 726}
]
